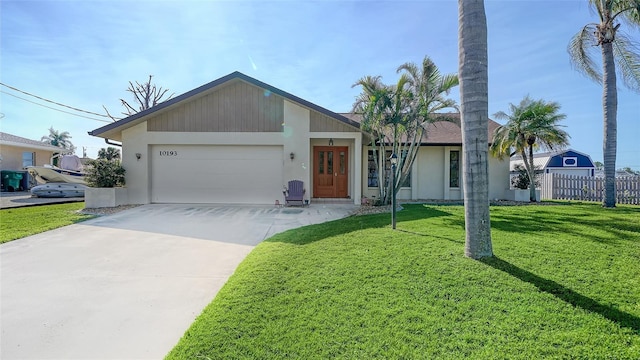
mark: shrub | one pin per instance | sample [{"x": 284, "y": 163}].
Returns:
[
  {"x": 105, "y": 173},
  {"x": 521, "y": 180}
]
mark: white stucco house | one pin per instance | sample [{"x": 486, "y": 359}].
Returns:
[{"x": 239, "y": 140}]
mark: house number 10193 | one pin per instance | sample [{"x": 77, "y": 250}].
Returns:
[{"x": 168, "y": 153}]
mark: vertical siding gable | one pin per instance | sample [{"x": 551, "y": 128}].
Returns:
[
  {"x": 236, "y": 107},
  {"x": 323, "y": 123}
]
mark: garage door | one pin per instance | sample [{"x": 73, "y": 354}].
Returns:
[{"x": 216, "y": 174}]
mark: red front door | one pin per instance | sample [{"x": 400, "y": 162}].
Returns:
[{"x": 330, "y": 172}]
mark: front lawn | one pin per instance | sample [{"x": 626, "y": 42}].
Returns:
[
  {"x": 16, "y": 223},
  {"x": 565, "y": 283}
]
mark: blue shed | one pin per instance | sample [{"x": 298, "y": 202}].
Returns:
[{"x": 568, "y": 162}]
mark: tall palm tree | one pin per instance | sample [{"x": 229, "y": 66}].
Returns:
[
  {"x": 618, "y": 52},
  {"x": 531, "y": 125},
  {"x": 474, "y": 115}
]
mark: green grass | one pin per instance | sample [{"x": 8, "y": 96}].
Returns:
[
  {"x": 16, "y": 223},
  {"x": 565, "y": 283}
]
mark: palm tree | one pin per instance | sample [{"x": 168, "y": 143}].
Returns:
[
  {"x": 474, "y": 115},
  {"x": 426, "y": 88},
  {"x": 110, "y": 153},
  {"x": 383, "y": 116},
  {"x": 617, "y": 53},
  {"x": 399, "y": 114},
  {"x": 532, "y": 124},
  {"x": 58, "y": 139}
]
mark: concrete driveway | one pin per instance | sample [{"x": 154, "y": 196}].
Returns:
[{"x": 128, "y": 285}]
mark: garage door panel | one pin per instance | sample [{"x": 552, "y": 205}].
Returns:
[{"x": 216, "y": 174}]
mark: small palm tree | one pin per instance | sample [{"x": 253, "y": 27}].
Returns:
[
  {"x": 399, "y": 114},
  {"x": 618, "y": 53},
  {"x": 383, "y": 115},
  {"x": 532, "y": 124},
  {"x": 110, "y": 153}
]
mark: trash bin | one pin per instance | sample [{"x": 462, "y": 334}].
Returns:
[{"x": 11, "y": 180}]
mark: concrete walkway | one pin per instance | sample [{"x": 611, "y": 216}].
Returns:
[{"x": 127, "y": 286}]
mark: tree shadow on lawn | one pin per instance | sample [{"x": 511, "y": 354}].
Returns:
[
  {"x": 312, "y": 233},
  {"x": 543, "y": 221},
  {"x": 565, "y": 294}
]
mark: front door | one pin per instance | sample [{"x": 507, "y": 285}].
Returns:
[{"x": 330, "y": 172}]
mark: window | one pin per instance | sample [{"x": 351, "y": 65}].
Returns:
[
  {"x": 28, "y": 159},
  {"x": 454, "y": 169},
  {"x": 372, "y": 174}
]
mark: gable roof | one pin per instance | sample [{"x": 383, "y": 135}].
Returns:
[
  {"x": 14, "y": 140},
  {"x": 138, "y": 117},
  {"x": 442, "y": 132}
]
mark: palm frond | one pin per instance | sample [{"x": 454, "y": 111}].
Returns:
[
  {"x": 581, "y": 50},
  {"x": 627, "y": 58}
]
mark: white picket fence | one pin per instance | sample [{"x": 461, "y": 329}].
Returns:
[{"x": 586, "y": 188}]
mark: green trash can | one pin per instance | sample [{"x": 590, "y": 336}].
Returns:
[{"x": 11, "y": 180}]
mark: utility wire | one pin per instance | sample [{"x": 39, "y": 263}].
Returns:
[
  {"x": 53, "y": 102},
  {"x": 52, "y": 108}
]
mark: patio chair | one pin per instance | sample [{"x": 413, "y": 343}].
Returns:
[{"x": 294, "y": 193}]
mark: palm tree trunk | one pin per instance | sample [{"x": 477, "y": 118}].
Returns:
[
  {"x": 532, "y": 176},
  {"x": 473, "y": 73},
  {"x": 610, "y": 109}
]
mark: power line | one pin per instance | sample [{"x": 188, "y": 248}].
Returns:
[
  {"x": 53, "y": 102},
  {"x": 52, "y": 108}
]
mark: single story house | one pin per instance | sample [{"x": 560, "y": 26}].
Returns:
[
  {"x": 16, "y": 153},
  {"x": 567, "y": 162},
  {"x": 239, "y": 140}
]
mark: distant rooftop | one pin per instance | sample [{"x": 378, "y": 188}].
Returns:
[{"x": 13, "y": 140}]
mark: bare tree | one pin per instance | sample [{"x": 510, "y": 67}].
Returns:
[{"x": 146, "y": 95}]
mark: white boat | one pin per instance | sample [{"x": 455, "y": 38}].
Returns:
[
  {"x": 47, "y": 174},
  {"x": 64, "y": 181},
  {"x": 58, "y": 190},
  {"x": 70, "y": 171}
]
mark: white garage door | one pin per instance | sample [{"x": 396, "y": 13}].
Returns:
[{"x": 216, "y": 174}]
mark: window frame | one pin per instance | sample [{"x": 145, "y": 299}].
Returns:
[
  {"x": 454, "y": 169},
  {"x": 32, "y": 159}
]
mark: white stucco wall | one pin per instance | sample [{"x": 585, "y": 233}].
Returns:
[
  {"x": 296, "y": 138},
  {"x": 430, "y": 176},
  {"x": 498, "y": 178}
]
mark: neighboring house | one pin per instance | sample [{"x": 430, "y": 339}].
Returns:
[
  {"x": 16, "y": 153},
  {"x": 239, "y": 140},
  {"x": 567, "y": 162}
]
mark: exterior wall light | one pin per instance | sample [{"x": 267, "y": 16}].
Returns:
[
  {"x": 138, "y": 156},
  {"x": 292, "y": 156},
  {"x": 331, "y": 142}
]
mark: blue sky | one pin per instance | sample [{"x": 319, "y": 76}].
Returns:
[{"x": 83, "y": 53}]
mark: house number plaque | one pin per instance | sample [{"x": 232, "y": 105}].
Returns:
[{"x": 168, "y": 153}]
